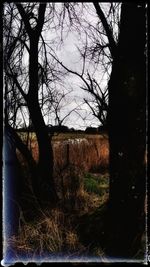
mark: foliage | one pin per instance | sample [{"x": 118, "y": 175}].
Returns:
[{"x": 96, "y": 185}]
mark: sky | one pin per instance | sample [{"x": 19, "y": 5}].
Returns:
[
  {"x": 64, "y": 46},
  {"x": 68, "y": 54}
]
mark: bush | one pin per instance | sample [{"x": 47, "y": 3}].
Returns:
[
  {"x": 91, "y": 185},
  {"x": 97, "y": 185}
]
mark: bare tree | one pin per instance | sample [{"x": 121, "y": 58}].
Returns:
[
  {"x": 125, "y": 52},
  {"x": 99, "y": 104},
  {"x": 97, "y": 45},
  {"x": 127, "y": 132},
  {"x": 127, "y": 126},
  {"x": 32, "y": 18},
  {"x": 55, "y": 105}
]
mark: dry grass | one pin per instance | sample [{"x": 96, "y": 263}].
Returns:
[
  {"x": 85, "y": 151},
  {"x": 54, "y": 232},
  {"x": 50, "y": 234}
]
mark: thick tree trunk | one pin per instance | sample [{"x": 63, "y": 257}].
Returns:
[
  {"x": 127, "y": 134},
  {"x": 45, "y": 185}
]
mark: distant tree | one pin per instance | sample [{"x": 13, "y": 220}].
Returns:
[{"x": 91, "y": 130}]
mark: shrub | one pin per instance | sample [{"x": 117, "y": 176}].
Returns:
[
  {"x": 91, "y": 185},
  {"x": 97, "y": 185}
]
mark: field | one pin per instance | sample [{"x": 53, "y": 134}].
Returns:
[
  {"x": 86, "y": 151},
  {"x": 81, "y": 164},
  {"x": 75, "y": 227}
]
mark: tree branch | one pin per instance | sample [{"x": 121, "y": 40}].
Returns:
[
  {"x": 21, "y": 146},
  {"x": 13, "y": 76},
  {"x": 112, "y": 43},
  {"x": 68, "y": 114},
  {"x": 92, "y": 109},
  {"x": 71, "y": 71},
  {"x": 24, "y": 18},
  {"x": 41, "y": 17}
]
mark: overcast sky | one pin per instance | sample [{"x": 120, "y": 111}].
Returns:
[
  {"x": 64, "y": 44},
  {"x": 69, "y": 55}
]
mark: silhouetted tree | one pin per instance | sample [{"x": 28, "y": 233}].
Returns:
[
  {"x": 126, "y": 115},
  {"x": 127, "y": 132},
  {"x": 123, "y": 219},
  {"x": 99, "y": 104},
  {"x": 29, "y": 37},
  {"x": 98, "y": 42}
]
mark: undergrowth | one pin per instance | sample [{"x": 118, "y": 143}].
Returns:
[
  {"x": 50, "y": 234},
  {"x": 98, "y": 185},
  {"x": 55, "y": 231}
]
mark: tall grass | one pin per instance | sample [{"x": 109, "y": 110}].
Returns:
[
  {"x": 54, "y": 232},
  {"x": 50, "y": 234}
]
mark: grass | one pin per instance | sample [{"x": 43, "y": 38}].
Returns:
[
  {"x": 55, "y": 232},
  {"x": 51, "y": 234},
  {"x": 96, "y": 184}
]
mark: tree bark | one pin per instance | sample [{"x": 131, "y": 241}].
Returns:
[
  {"x": 45, "y": 184},
  {"x": 127, "y": 134}
]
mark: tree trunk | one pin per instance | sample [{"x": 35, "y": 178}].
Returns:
[
  {"x": 127, "y": 134},
  {"x": 45, "y": 185}
]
